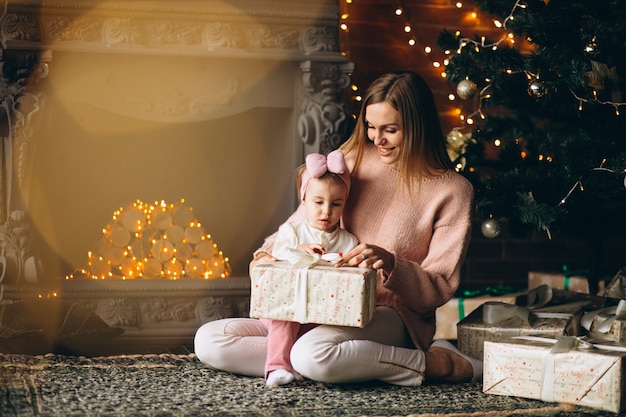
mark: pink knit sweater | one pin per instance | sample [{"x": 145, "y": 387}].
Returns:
[{"x": 428, "y": 231}]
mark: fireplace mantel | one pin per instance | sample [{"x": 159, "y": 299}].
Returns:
[{"x": 245, "y": 29}]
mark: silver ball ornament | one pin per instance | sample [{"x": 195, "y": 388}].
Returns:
[
  {"x": 591, "y": 50},
  {"x": 537, "y": 88},
  {"x": 466, "y": 89},
  {"x": 490, "y": 228}
]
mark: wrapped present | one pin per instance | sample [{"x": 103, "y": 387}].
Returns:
[
  {"x": 560, "y": 370},
  {"x": 455, "y": 310},
  {"x": 561, "y": 281},
  {"x": 616, "y": 288},
  {"x": 313, "y": 294},
  {"x": 607, "y": 323},
  {"x": 495, "y": 321}
]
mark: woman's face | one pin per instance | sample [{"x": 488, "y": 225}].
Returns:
[{"x": 383, "y": 128}]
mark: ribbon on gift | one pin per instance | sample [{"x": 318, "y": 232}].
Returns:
[
  {"x": 499, "y": 312},
  {"x": 605, "y": 317},
  {"x": 539, "y": 296},
  {"x": 493, "y": 291},
  {"x": 495, "y": 312},
  {"x": 569, "y": 273},
  {"x": 562, "y": 344},
  {"x": 302, "y": 261}
]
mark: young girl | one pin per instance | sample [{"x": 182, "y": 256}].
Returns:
[{"x": 324, "y": 186}]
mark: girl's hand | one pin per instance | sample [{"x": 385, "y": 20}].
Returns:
[
  {"x": 260, "y": 258},
  {"x": 369, "y": 256},
  {"x": 312, "y": 248}
]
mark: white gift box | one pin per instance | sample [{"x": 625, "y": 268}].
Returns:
[
  {"x": 320, "y": 294},
  {"x": 582, "y": 373}
]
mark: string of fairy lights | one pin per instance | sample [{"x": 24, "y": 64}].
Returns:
[
  {"x": 535, "y": 86},
  {"x": 155, "y": 240},
  {"x": 401, "y": 16}
]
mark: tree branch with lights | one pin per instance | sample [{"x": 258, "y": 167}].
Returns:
[{"x": 548, "y": 130}]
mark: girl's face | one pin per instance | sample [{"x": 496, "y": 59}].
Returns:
[
  {"x": 383, "y": 128},
  {"x": 324, "y": 202}
]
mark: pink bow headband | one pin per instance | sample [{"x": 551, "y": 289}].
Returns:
[{"x": 318, "y": 164}]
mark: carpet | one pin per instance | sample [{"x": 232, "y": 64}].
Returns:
[{"x": 174, "y": 385}]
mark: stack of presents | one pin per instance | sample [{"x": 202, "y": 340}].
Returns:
[{"x": 554, "y": 341}]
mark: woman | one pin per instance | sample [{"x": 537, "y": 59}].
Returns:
[{"x": 411, "y": 212}]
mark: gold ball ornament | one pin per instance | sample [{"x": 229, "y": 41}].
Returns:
[
  {"x": 490, "y": 228},
  {"x": 466, "y": 89}
]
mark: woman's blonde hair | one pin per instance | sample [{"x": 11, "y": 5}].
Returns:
[{"x": 424, "y": 151}]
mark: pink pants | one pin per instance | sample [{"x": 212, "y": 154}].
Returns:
[
  {"x": 281, "y": 335},
  {"x": 332, "y": 354}
]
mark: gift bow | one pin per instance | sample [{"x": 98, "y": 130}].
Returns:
[
  {"x": 606, "y": 317},
  {"x": 539, "y": 297},
  {"x": 497, "y": 312},
  {"x": 300, "y": 259}
]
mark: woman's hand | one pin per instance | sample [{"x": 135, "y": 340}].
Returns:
[
  {"x": 260, "y": 258},
  {"x": 369, "y": 256}
]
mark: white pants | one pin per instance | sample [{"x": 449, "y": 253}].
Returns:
[{"x": 329, "y": 354}]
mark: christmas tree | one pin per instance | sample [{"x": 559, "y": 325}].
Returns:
[{"x": 544, "y": 141}]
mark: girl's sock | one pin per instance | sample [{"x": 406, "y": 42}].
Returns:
[{"x": 279, "y": 377}]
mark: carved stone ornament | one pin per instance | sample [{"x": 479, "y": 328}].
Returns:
[
  {"x": 19, "y": 110},
  {"x": 324, "y": 121}
]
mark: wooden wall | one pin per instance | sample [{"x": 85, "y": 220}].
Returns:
[{"x": 376, "y": 41}]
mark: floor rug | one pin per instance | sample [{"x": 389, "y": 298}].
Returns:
[{"x": 171, "y": 385}]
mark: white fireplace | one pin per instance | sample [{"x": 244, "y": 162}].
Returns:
[{"x": 107, "y": 102}]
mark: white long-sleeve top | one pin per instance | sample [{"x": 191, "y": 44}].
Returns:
[{"x": 292, "y": 234}]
